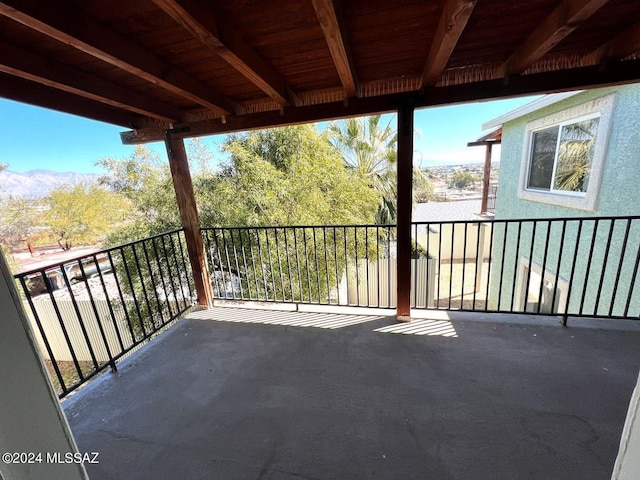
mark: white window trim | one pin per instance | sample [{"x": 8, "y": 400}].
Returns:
[
  {"x": 555, "y": 160},
  {"x": 602, "y": 107}
]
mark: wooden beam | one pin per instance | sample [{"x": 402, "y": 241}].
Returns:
[
  {"x": 27, "y": 65},
  {"x": 622, "y": 45},
  {"x": 330, "y": 18},
  {"x": 455, "y": 15},
  {"x": 404, "y": 206},
  {"x": 24, "y": 91},
  {"x": 617, "y": 73},
  {"x": 201, "y": 20},
  {"x": 564, "y": 19},
  {"x": 185, "y": 198},
  {"x": 60, "y": 20}
]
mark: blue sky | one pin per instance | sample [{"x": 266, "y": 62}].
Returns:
[{"x": 36, "y": 138}]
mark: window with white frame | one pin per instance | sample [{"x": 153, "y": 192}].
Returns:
[{"x": 564, "y": 155}]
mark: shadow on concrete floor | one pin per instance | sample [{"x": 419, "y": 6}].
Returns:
[{"x": 244, "y": 394}]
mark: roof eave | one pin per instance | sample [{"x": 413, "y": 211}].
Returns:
[{"x": 528, "y": 108}]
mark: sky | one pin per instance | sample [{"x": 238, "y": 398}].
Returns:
[{"x": 37, "y": 138}]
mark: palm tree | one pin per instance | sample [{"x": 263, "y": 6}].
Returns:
[
  {"x": 575, "y": 156},
  {"x": 369, "y": 151}
]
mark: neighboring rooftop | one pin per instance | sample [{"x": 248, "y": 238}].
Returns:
[{"x": 44, "y": 257}]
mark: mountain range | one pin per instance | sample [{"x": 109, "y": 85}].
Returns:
[{"x": 38, "y": 183}]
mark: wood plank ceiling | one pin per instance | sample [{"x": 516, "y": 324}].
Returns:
[{"x": 211, "y": 66}]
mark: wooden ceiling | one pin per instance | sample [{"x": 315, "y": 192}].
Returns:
[{"x": 210, "y": 66}]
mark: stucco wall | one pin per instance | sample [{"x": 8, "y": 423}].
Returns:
[
  {"x": 596, "y": 280},
  {"x": 621, "y": 178}
]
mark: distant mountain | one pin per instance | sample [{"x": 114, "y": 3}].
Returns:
[{"x": 38, "y": 183}]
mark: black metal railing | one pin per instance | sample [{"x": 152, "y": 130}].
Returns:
[
  {"x": 491, "y": 199},
  {"x": 90, "y": 311},
  {"x": 573, "y": 267},
  {"x": 328, "y": 265},
  {"x": 87, "y": 313},
  {"x": 579, "y": 267}
]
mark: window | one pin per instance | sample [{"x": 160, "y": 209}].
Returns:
[
  {"x": 561, "y": 156},
  {"x": 564, "y": 153}
]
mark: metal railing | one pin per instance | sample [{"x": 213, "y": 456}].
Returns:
[
  {"x": 579, "y": 267},
  {"x": 90, "y": 311},
  {"x": 328, "y": 265},
  {"x": 491, "y": 199},
  {"x": 572, "y": 267}
]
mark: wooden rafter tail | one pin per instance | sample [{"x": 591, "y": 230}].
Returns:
[
  {"x": 564, "y": 19},
  {"x": 25, "y": 91},
  {"x": 454, "y": 18},
  {"x": 27, "y": 65},
  {"x": 622, "y": 45},
  {"x": 330, "y": 17},
  {"x": 72, "y": 27},
  {"x": 207, "y": 25}
]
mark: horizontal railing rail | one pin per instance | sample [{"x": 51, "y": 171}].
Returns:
[
  {"x": 571, "y": 267},
  {"x": 90, "y": 311}
]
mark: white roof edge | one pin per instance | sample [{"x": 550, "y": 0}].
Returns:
[{"x": 528, "y": 108}]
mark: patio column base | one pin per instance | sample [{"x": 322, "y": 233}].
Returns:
[{"x": 403, "y": 318}]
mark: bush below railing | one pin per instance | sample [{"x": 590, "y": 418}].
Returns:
[{"x": 90, "y": 311}]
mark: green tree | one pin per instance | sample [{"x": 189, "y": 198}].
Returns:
[
  {"x": 18, "y": 224},
  {"x": 280, "y": 177},
  {"x": 83, "y": 214},
  {"x": 283, "y": 176},
  {"x": 145, "y": 181},
  {"x": 369, "y": 148},
  {"x": 18, "y": 220},
  {"x": 462, "y": 179},
  {"x": 422, "y": 188}
]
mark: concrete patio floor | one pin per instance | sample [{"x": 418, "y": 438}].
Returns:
[{"x": 221, "y": 397}]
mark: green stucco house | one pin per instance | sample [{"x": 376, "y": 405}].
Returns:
[{"x": 571, "y": 161}]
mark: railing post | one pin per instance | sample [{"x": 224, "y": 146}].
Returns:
[
  {"x": 189, "y": 216},
  {"x": 404, "y": 206}
]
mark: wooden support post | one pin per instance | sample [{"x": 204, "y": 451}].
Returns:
[
  {"x": 189, "y": 216},
  {"x": 405, "y": 204},
  {"x": 486, "y": 176}
]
